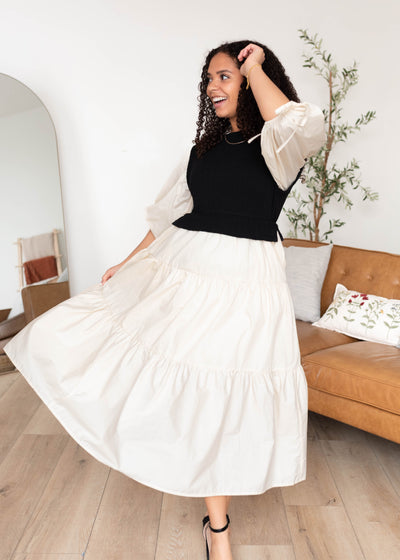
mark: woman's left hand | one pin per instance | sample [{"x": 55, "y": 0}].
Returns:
[{"x": 253, "y": 54}]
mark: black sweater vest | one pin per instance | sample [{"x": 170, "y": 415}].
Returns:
[{"x": 233, "y": 191}]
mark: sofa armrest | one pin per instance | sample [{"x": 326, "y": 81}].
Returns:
[{"x": 41, "y": 298}]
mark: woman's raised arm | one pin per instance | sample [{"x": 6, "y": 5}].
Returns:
[{"x": 267, "y": 95}]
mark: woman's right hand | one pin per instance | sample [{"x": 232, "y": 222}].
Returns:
[{"x": 110, "y": 272}]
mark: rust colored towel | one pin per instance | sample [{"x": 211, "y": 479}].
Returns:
[{"x": 40, "y": 269}]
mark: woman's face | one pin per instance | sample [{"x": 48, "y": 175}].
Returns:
[{"x": 224, "y": 80}]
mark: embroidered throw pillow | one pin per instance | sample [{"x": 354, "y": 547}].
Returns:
[
  {"x": 305, "y": 272},
  {"x": 363, "y": 316}
]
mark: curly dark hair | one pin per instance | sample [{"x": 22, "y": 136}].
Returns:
[{"x": 210, "y": 128}]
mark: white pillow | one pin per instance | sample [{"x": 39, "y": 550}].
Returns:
[
  {"x": 363, "y": 316},
  {"x": 305, "y": 272}
]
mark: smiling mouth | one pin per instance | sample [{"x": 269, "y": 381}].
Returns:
[{"x": 218, "y": 101}]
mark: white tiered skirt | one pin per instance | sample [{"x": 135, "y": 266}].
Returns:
[{"x": 183, "y": 371}]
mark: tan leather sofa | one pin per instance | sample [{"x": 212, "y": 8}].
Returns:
[
  {"x": 36, "y": 300},
  {"x": 354, "y": 381}
]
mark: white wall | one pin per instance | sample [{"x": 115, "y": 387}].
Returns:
[
  {"x": 120, "y": 79},
  {"x": 29, "y": 187}
]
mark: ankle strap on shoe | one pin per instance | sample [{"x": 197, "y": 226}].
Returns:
[{"x": 223, "y": 528}]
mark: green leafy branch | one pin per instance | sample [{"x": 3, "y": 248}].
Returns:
[{"x": 323, "y": 182}]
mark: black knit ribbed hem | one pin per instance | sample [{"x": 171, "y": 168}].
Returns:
[{"x": 236, "y": 225}]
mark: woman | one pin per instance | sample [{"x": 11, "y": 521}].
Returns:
[{"x": 181, "y": 368}]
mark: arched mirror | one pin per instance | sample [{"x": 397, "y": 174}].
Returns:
[{"x": 33, "y": 259}]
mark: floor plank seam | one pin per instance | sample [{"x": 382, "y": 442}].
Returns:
[
  {"x": 344, "y": 503},
  {"x": 158, "y": 527},
  {"x": 381, "y": 464},
  {"x": 21, "y": 431},
  {"x": 14, "y": 380},
  {"x": 287, "y": 524},
  {"x": 12, "y": 557},
  {"x": 96, "y": 514}
]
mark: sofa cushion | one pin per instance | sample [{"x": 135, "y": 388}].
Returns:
[
  {"x": 305, "y": 271},
  {"x": 312, "y": 338},
  {"x": 367, "y": 372}
]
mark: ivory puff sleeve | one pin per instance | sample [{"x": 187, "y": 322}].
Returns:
[
  {"x": 173, "y": 200},
  {"x": 296, "y": 133}
]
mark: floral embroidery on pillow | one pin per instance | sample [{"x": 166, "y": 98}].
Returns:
[
  {"x": 364, "y": 316},
  {"x": 394, "y": 317}
]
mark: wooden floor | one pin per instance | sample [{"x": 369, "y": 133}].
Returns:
[{"x": 58, "y": 503}]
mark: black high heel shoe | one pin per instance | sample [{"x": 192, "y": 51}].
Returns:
[{"x": 206, "y": 525}]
